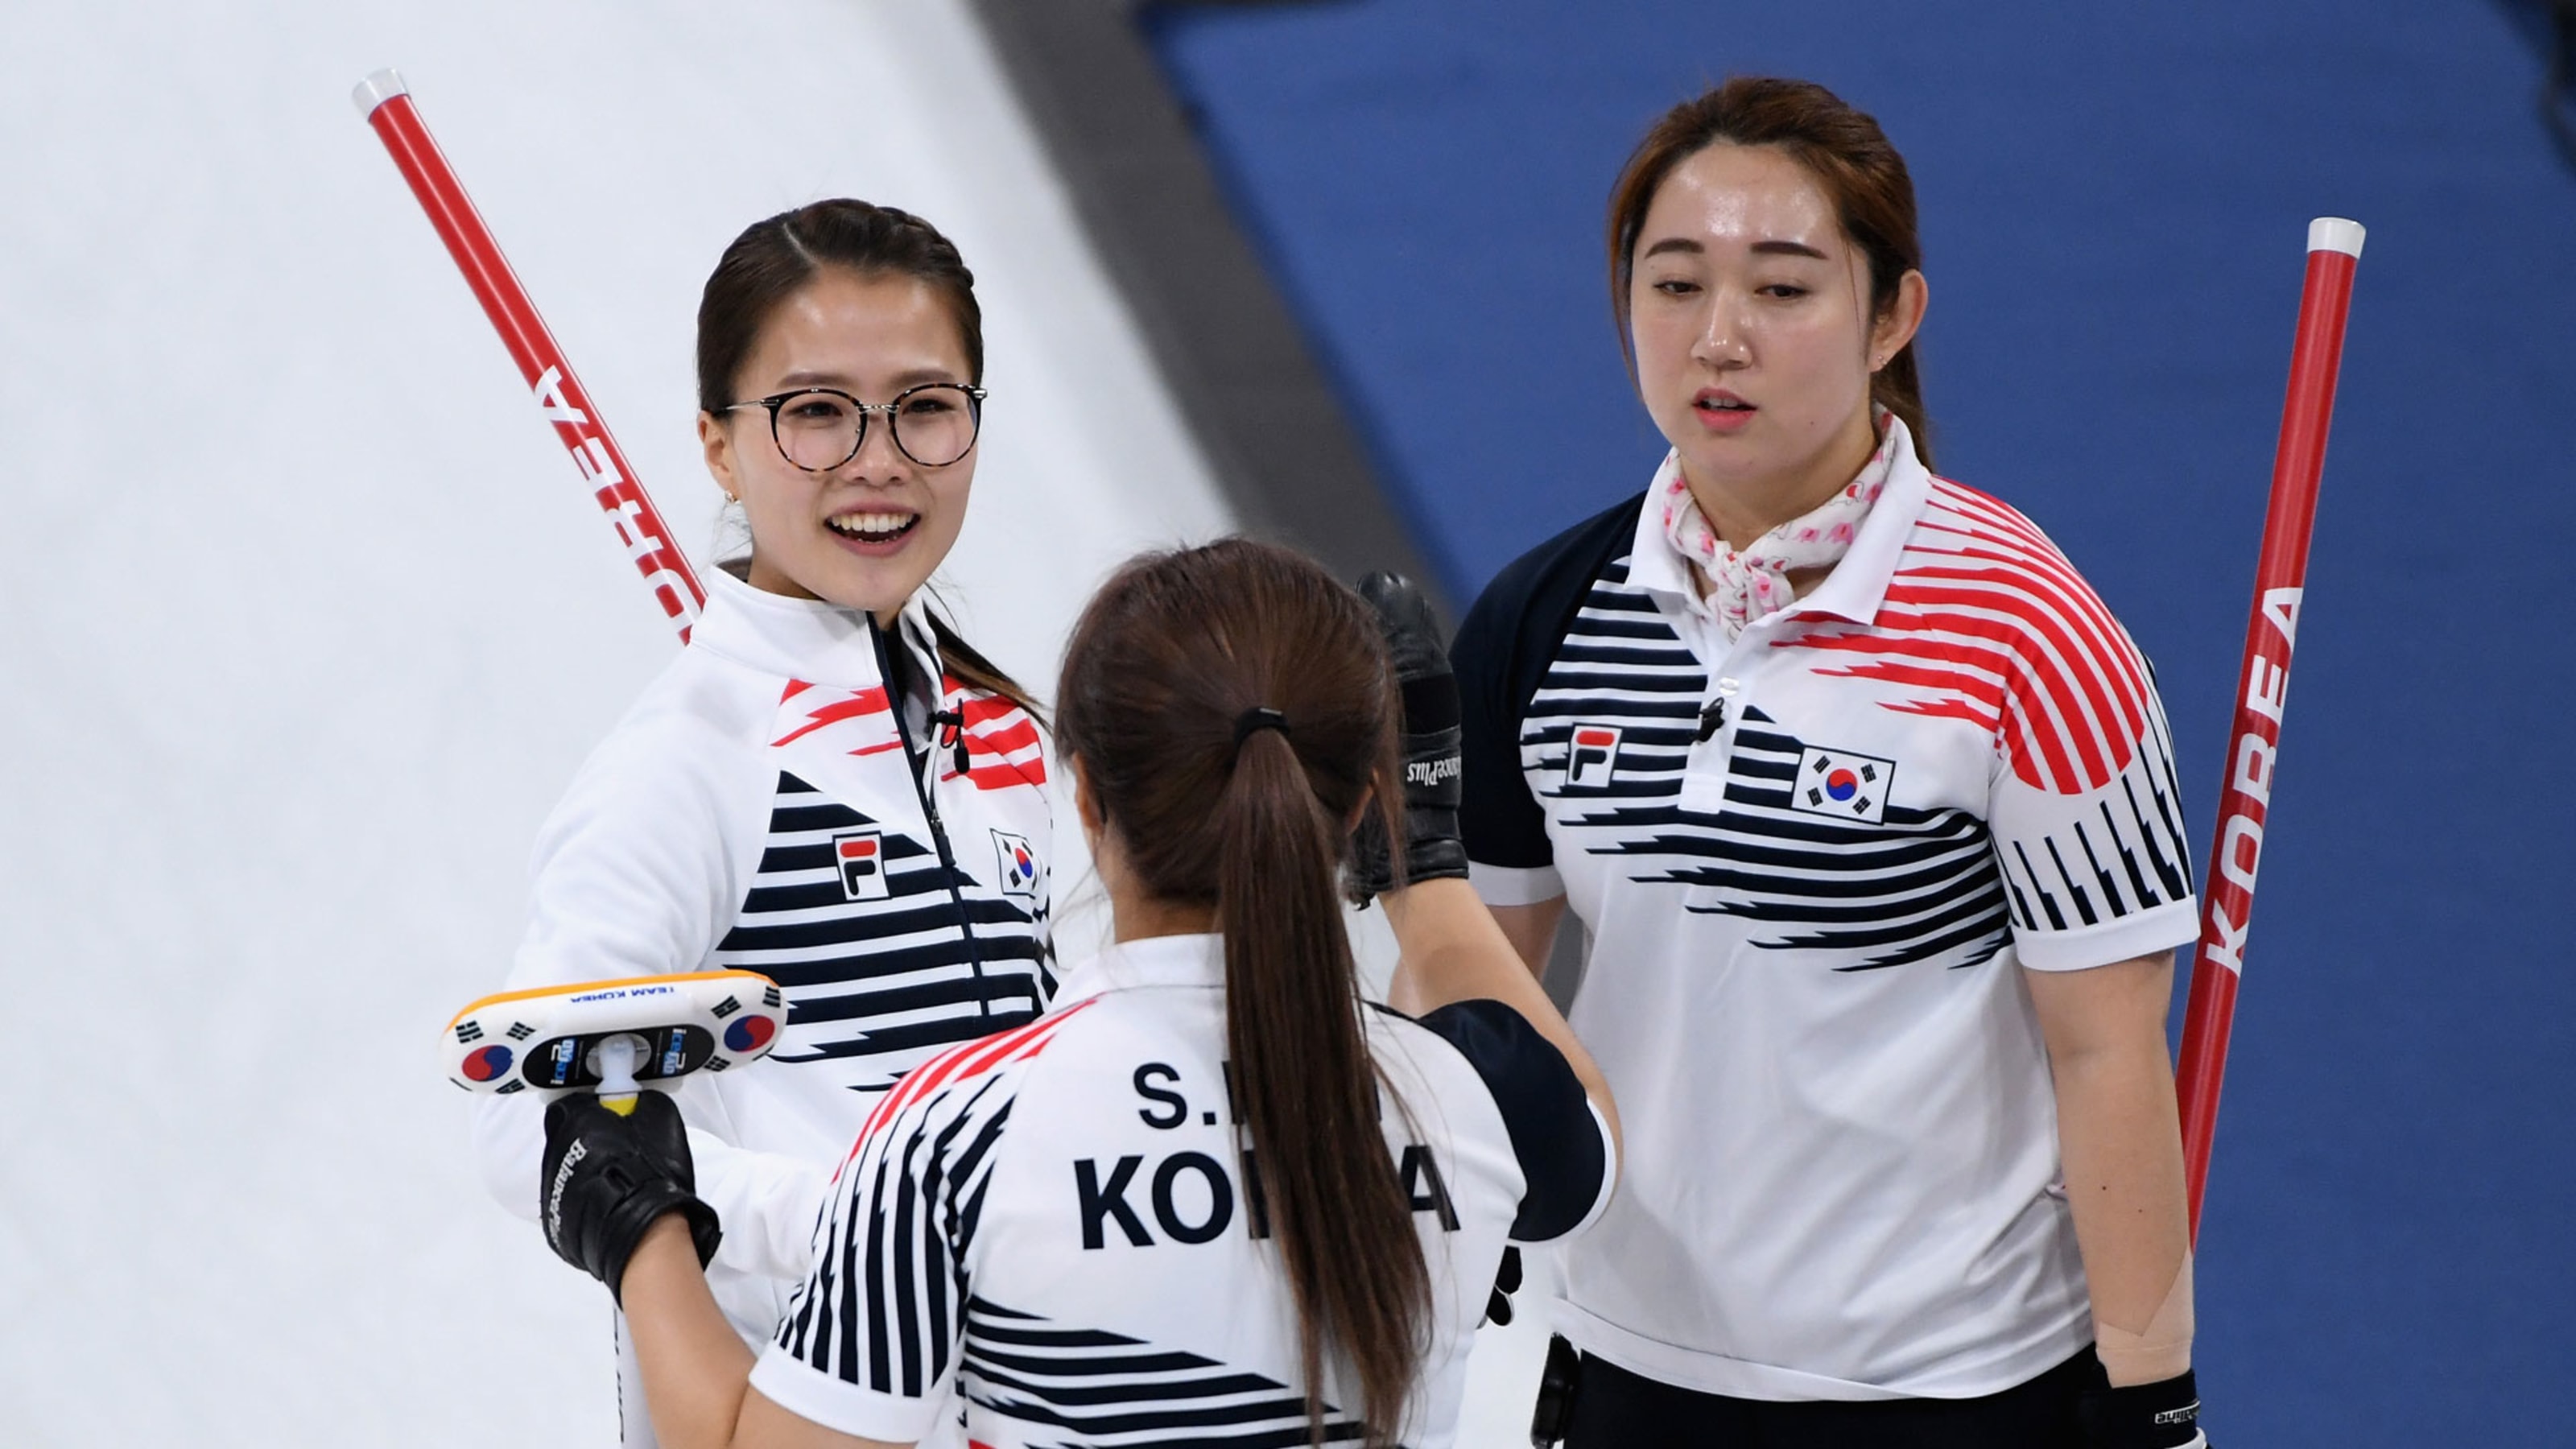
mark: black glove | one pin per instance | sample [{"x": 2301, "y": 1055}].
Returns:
[
  {"x": 2161, "y": 1415},
  {"x": 1427, "y": 747},
  {"x": 608, "y": 1177},
  {"x": 1558, "y": 1379},
  {"x": 1507, "y": 1281}
]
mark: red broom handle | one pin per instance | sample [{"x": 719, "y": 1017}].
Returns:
[
  {"x": 386, "y": 103},
  {"x": 2271, "y": 628}
]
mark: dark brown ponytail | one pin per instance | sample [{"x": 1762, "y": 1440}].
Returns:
[
  {"x": 1850, "y": 157},
  {"x": 1164, "y": 666}
]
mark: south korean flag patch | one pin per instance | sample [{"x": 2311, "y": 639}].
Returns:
[
  {"x": 1843, "y": 785},
  {"x": 1016, "y": 865}
]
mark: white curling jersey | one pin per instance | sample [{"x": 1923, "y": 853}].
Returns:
[
  {"x": 1814, "y": 861},
  {"x": 807, "y": 795},
  {"x": 1061, "y": 1222}
]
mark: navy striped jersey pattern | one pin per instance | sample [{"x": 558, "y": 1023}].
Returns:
[
  {"x": 1109, "y": 1389},
  {"x": 885, "y": 1298},
  {"x": 1922, "y": 885},
  {"x": 2128, "y": 860},
  {"x": 876, "y": 984}
]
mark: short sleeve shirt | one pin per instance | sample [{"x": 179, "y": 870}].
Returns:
[
  {"x": 1064, "y": 1223},
  {"x": 1809, "y": 860}
]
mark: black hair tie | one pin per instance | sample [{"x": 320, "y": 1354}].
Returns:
[{"x": 1259, "y": 717}]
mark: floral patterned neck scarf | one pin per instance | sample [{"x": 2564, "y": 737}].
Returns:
[{"x": 1747, "y": 584}]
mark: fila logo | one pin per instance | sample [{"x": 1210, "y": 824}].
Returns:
[
  {"x": 1843, "y": 785},
  {"x": 1591, "y": 756},
  {"x": 860, "y": 856},
  {"x": 1016, "y": 864}
]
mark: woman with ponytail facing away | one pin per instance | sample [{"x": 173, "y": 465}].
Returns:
[{"x": 1212, "y": 1194}]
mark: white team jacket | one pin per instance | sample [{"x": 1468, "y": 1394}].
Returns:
[
  {"x": 768, "y": 806},
  {"x": 1063, "y": 1223}
]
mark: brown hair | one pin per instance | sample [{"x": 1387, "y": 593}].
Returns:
[
  {"x": 772, "y": 259},
  {"x": 1850, "y": 158},
  {"x": 1158, "y": 679}
]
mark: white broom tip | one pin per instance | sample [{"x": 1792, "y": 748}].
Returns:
[
  {"x": 386, "y": 84},
  {"x": 2334, "y": 234}
]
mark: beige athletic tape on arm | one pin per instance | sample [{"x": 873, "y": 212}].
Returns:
[{"x": 2159, "y": 1351}]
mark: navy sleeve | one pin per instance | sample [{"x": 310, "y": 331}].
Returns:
[
  {"x": 1501, "y": 655},
  {"x": 1498, "y": 819},
  {"x": 1565, "y": 1160}
]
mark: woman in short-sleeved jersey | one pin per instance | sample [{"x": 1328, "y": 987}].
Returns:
[
  {"x": 1867, "y": 807},
  {"x": 1211, "y": 1197},
  {"x": 826, "y": 786}
]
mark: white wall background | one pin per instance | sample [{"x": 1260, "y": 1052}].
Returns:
[{"x": 313, "y": 620}]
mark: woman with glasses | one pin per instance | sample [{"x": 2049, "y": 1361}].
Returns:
[
  {"x": 828, "y": 786},
  {"x": 1213, "y": 1197},
  {"x": 1866, "y": 805}
]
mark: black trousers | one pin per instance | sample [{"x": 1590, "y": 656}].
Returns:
[{"x": 1615, "y": 1409}]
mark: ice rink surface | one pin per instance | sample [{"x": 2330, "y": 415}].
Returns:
[{"x": 314, "y": 621}]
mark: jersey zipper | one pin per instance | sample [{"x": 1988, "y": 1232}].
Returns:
[{"x": 921, "y": 766}]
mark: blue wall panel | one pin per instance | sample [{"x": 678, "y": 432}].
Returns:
[{"x": 2114, "y": 205}]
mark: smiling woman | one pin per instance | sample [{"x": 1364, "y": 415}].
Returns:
[
  {"x": 827, "y": 786},
  {"x": 811, "y": 467},
  {"x": 808, "y": 313}
]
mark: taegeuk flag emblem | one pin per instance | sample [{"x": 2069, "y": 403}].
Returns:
[{"x": 1843, "y": 785}]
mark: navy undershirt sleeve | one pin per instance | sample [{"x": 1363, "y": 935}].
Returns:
[
  {"x": 1498, "y": 819},
  {"x": 1501, "y": 655},
  {"x": 1564, "y": 1161}
]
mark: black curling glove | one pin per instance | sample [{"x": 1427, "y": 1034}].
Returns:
[
  {"x": 607, "y": 1177},
  {"x": 2161, "y": 1415},
  {"x": 1507, "y": 1281},
  {"x": 1427, "y": 746}
]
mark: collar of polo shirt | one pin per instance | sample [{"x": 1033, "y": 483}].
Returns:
[
  {"x": 1857, "y": 585},
  {"x": 1188, "y": 960}
]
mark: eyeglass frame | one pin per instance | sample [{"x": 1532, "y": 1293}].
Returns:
[{"x": 975, "y": 411}]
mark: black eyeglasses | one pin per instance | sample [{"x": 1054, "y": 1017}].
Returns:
[{"x": 820, "y": 428}]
